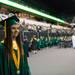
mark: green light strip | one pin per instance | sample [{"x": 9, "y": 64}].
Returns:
[{"x": 28, "y": 9}]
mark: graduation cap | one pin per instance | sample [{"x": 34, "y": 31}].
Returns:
[{"x": 8, "y": 20}]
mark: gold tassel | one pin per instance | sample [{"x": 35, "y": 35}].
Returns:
[{"x": 5, "y": 28}]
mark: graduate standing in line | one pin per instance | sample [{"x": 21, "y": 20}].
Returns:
[
  {"x": 73, "y": 40},
  {"x": 26, "y": 45},
  {"x": 34, "y": 44},
  {"x": 13, "y": 60}
]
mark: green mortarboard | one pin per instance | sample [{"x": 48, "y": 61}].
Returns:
[{"x": 10, "y": 20}]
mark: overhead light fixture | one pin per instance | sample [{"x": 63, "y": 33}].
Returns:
[{"x": 28, "y": 9}]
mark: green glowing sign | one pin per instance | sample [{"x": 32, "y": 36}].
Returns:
[{"x": 28, "y": 9}]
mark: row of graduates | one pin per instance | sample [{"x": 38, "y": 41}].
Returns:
[
  {"x": 37, "y": 43},
  {"x": 44, "y": 42}
]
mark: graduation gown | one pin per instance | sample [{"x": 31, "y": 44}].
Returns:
[
  {"x": 42, "y": 43},
  {"x": 26, "y": 47},
  {"x": 7, "y": 66},
  {"x": 38, "y": 44},
  {"x": 46, "y": 42},
  {"x": 34, "y": 44},
  {"x": 51, "y": 42}
]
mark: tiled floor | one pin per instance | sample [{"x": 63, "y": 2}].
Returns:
[{"x": 53, "y": 61}]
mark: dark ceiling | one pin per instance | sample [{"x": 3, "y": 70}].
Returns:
[
  {"x": 59, "y": 6},
  {"x": 64, "y": 9}
]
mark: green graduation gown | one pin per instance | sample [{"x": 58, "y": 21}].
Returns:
[
  {"x": 26, "y": 48},
  {"x": 42, "y": 43},
  {"x": 7, "y": 66},
  {"x": 38, "y": 44}
]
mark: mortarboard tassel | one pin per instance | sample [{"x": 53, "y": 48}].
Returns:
[{"x": 5, "y": 28}]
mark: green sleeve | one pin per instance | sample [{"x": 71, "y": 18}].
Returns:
[{"x": 1, "y": 63}]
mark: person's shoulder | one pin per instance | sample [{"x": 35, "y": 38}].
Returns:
[
  {"x": 1, "y": 48},
  {"x": 1, "y": 44}
]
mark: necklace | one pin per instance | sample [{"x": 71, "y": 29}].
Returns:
[{"x": 15, "y": 58}]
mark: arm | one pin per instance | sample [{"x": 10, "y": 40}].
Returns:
[{"x": 1, "y": 64}]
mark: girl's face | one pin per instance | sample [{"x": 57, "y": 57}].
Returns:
[{"x": 15, "y": 30}]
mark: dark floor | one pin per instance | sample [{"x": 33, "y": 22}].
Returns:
[{"x": 53, "y": 61}]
